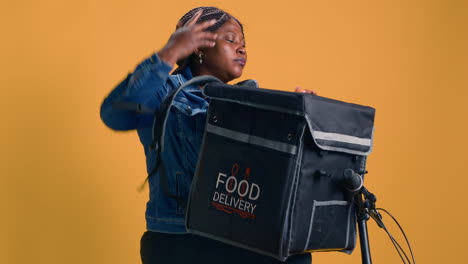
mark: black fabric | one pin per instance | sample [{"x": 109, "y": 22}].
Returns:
[
  {"x": 269, "y": 124},
  {"x": 322, "y": 114},
  {"x": 265, "y": 143},
  {"x": 272, "y": 98},
  {"x": 161, "y": 248},
  {"x": 222, "y": 215},
  {"x": 328, "y": 115},
  {"x": 321, "y": 179}
]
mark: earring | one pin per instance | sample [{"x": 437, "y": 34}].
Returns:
[{"x": 200, "y": 56}]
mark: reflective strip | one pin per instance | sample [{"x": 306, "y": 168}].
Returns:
[
  {"x": 246, "y": 138},
  {"x": 341, "y": 138}
]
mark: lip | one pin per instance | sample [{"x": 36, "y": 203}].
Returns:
[{"x": 240, "y": 61}]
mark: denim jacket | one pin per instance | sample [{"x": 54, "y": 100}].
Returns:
[{"x": 147, "y": 86}]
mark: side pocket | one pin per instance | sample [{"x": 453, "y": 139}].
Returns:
[{"x": 331, "y": 226}]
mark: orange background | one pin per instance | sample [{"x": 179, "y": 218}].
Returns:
[{"x": 68, "y": 183}]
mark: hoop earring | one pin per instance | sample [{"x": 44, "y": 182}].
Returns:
[{"x": 200, "y": 57}]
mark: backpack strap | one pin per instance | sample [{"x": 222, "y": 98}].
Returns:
[{"x": 159, "y": 128}]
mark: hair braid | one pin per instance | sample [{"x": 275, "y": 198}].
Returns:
[{"x": 208, "y": 14}]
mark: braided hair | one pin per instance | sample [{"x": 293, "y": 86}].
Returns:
[{"x": 208, "y": 13}]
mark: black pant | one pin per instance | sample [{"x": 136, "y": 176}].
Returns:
[{"x": 161, "y": 248}]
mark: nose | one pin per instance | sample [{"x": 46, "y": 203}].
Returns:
[{"x": 241, "y": 50}]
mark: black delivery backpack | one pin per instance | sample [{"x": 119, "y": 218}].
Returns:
[{"x": 270, "y": 176}]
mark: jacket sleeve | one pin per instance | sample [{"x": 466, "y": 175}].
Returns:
[{"x": 145, "y": 88}]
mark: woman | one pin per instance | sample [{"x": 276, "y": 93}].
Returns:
[{"x": 208, "y": 41}]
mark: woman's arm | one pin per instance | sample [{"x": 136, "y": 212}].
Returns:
[{"x": 144, "y": 89}]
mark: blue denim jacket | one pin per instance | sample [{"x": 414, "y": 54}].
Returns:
[{"x": 148, "y": 85}]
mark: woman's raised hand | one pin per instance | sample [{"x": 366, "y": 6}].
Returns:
[{"x": 187, "y": 39}]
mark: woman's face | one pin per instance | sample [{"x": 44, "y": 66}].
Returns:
[{"x": 226, "y": 60}]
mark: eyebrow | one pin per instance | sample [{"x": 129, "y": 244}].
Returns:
[{"x": 242, "y": 34}]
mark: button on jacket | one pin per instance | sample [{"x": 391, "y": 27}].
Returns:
[{"x": 147, "y": 86}]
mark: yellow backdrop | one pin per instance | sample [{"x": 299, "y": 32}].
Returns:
[{"x": 68, "y": 183}]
